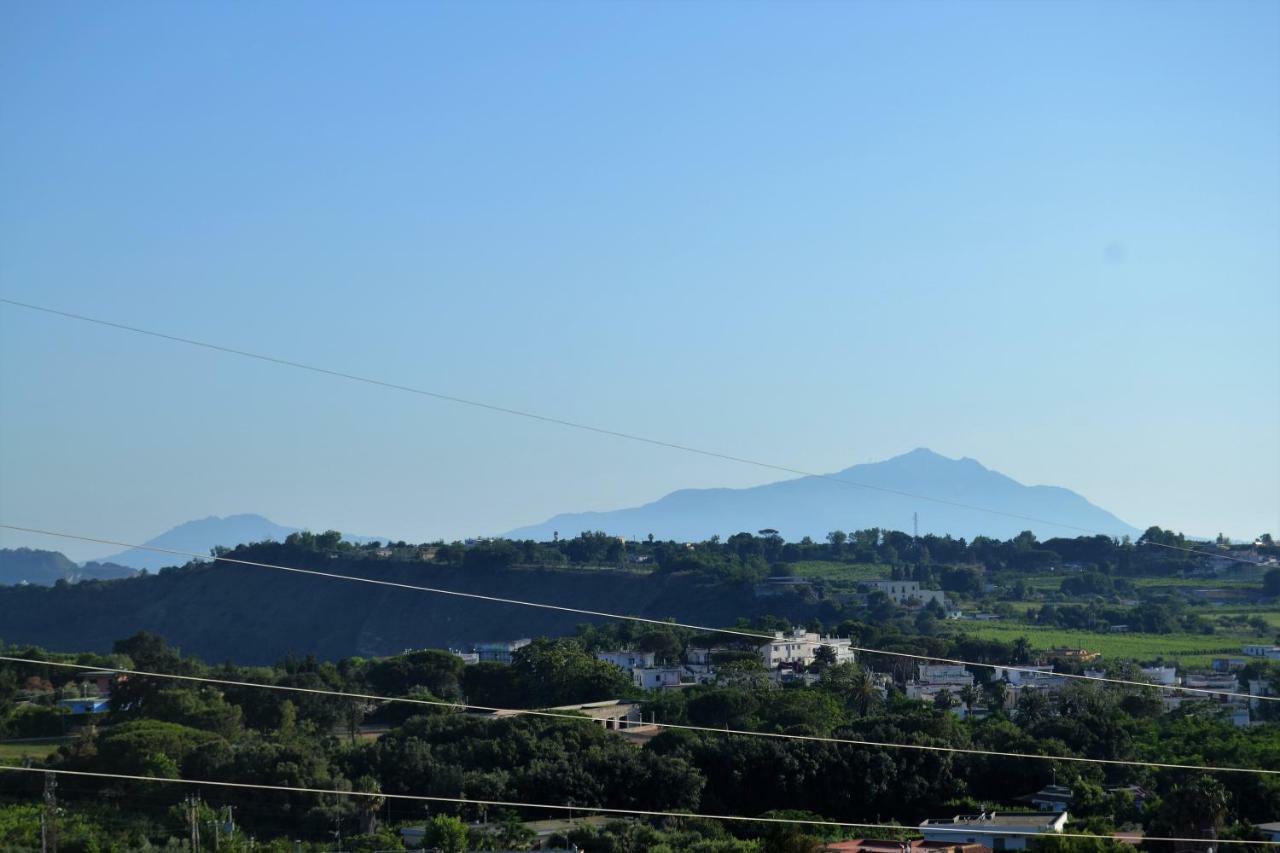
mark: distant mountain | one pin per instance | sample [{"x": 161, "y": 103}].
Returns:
[
  {"x": 199, "y": 537},
  {"x": 814, "y": 506},
  {"x": 28, "y": 565},
  {"x": 95, "y": 571},
  {"x": 45, "y": 568}
]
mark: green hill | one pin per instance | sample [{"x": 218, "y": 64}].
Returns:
[{"x": 254, "y": 615}]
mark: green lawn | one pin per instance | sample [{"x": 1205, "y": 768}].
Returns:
[
  {"x": 13, "y": 753},
  {"x": 1188, "y": 649},
  {"x": 838, "y": 571}
]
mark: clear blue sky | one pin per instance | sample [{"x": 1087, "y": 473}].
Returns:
[{"x": 1043, "y": 235}]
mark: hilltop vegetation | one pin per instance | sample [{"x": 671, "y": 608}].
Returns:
[{"x": 254, "y": 615}]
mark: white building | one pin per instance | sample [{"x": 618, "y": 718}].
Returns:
[
  {"x": 1166, "y": 675},
  {"x": 1022, "y": 674},
  {"x": 1226, "y": 682},
  {"x": 1268, "y": 651},
  {"x": 656, "y": 677},
  {"x": 800, "y": 647},
  {"x": 997, "y": 830},
  {"x": 902, "y": 592},
  {"x": 501, "y": 651},
  {"x": 933, "y": 678},
  {"x": 626, "y": 658}
]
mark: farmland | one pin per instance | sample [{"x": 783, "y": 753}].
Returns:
[{"x": 1187, "y": 649}]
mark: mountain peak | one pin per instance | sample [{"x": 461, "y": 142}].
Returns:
[{"x": 919, "y": 486}]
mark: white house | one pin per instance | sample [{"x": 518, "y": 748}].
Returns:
[
  {"x": 1166, "y": 675},
  {"x": 500, "y": 651},
  {"x": 933, "y": 678},
  {"x": 996, "y": 830},
  {"x": 901, "y": 592},
  {"x": 627, "y": 659},
  {"x": 656, "y": 677},
  {"x": 1258, "y": 651},
  {"x": 800, "y": 647},
  {"x": 1023, "y": 674}
]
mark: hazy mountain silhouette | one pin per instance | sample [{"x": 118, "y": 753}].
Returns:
[
  {"x": 45, "y": 568},
  {"x": 30, "y": 565},
  {"x": 814, "y": 506},
  {"x": 199, "y": 536}
]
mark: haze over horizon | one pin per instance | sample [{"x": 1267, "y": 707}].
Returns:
[{"x": 1041, "y": 236}]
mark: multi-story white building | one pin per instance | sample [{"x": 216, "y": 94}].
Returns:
[
  {"x": 800, "y": 648},
  {"x": 627, "y": 658},
  {"x": 903, "y": 592},
  {"x": 996, "y": 830}
]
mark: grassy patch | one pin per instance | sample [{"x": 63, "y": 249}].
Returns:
[
  {"x": 14, "y": 753},
  {"x": 1187, "y": 649},
  {"x": 839, "y": 574}
]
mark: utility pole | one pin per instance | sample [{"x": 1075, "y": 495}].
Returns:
[
  {"x": 193, "y": 821},
  {"x": 915, "y": 526},
  {"x": 49, "y": 820}
]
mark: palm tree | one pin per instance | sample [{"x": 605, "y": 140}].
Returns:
[
  {"x": 968, "y": 697},
  {"x": 997, "y": 695},
  {"x": 863, "y": 692}
]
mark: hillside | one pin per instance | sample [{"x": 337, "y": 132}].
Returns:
[
  {"x": 814, "y": 506},
  {"x": 254, "y": 615},
  {"x": 29, "y": 565},
  {"x": 45, "y": 568}
]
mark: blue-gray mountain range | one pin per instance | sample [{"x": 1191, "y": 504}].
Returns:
[
  {"x": 201, "y": 535},
  {"x": 44, "y": 568},
  {"x": 876, "y": 494}
]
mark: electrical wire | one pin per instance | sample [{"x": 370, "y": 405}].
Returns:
[
  {"x": 624, "y": 617},
  {"x": 463, "y": 801},
  {"x": 506, "y": 410},
  {"x": 460, "y": 706}
]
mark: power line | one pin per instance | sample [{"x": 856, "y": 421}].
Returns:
[
  {"x": 462, "y": 801},
  {"x": 439, "y": 703},
  {"x": 357, "y": 578},
  {"x": 506, "y": 410},
  {"x": 625, "y": 617}
]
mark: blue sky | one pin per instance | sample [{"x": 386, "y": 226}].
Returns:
[{"x": 1043, "y": 235}]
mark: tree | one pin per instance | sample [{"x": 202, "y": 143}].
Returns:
[
  {"x": 1193, "y": 808},
  {"x": 823, "y": 657},
  {"x": 837, "y": 538},
  {"x": 997, "y": 695},
  {"x": 969, "y": 697},
  {"x": 1271, "y": 582},
  {"x": 943, "y": 700},
  {"x": 447, "y": 833},
  {"x": 560, "y": 672}
]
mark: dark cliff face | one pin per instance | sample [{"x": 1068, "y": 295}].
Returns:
[{"x": 256, "y": 615}]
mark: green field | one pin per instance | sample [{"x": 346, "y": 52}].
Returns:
[
  {"x": 13, "y": 753},
  {"x": 831, "y": 571},
  {"x": 1187, "y": 649}
]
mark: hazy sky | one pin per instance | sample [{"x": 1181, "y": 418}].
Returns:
[{"x": 1044, "y": 235}]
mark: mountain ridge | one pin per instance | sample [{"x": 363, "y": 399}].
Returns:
[
  {"x": 200, "y": 535},
  {"x": 885, "y": 494}
]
